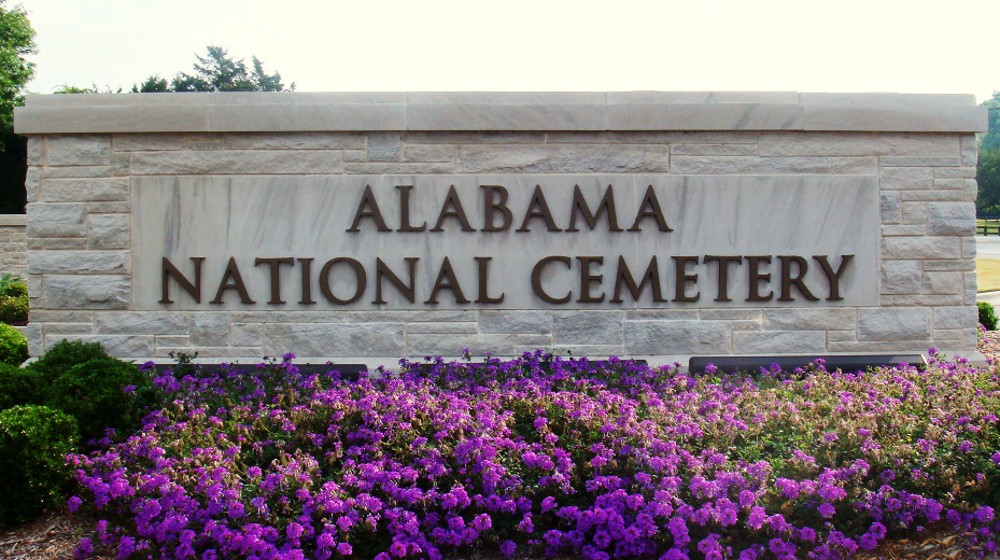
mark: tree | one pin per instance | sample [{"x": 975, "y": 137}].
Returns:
[
  {"x": 988, "y": 177},
  {"x": 217, "y": 72},
  {"x": 991, "y": 140},
  {"x": 17, "y": 40}
]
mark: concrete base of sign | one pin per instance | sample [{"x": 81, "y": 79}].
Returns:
[{"x": 845, "y": 224}]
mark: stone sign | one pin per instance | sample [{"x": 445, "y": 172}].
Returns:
[{"x": 378, "y": 226}]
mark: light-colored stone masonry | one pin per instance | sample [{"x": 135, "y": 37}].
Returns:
[
  {"x": 920, "y": 149},
  {"x": 13, "y": 245}
]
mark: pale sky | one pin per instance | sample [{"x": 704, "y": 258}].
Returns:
[{"x": 532, "y": 45}]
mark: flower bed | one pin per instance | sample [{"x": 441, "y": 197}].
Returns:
[{"x": 549, "y": 456}]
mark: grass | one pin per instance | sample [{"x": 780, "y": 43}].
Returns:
[{"x": 988, "y": 275}]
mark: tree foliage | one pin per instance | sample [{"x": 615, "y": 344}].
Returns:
[
  {"x": 991, "y": 140},
  {"x": 17, "y": 40},
  {"x": 988, "y": 177},
  {"x": 217, "y": 72}
]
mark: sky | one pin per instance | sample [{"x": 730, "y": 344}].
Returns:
[{"x": 531, "y": 45}]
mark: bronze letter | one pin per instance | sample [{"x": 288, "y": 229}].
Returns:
[
  {"x": 536, "y": 279},
  {"x": 484, "y": 280},
  {"x": 580, "y": 207},
  {"x": 651, "y": 277},
  {"x": 650, "y": 208},
  {"x": 756, "y": 277},
  {"x": 171, "y": 271},
  {"x": 232, "y": 280},
  {"x": 306, "y": 266},
  {"x": 491, "y": 207},
  {"x": 368, "y": 208},
  {"x": 382, "y": 271},
  {"x": 446, "y": 280},
  {"x": 787, "y": 281},
  {"x": 275, "y": 265},
  {"x": 586, "y": 279},
  {"x": 538, "y": 208},
  {"x": 833, "y": 277},
  {"x": 682, "y": 279},
  {"x": 404, "y": 210},
  {"x": 724, "y": 262},
  {"x": 359, "y": 276},
  {"x": 456, "y": 211}
]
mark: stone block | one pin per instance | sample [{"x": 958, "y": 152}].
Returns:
[
  {"x": 594, "y": 351},
  {"x": 295, "y": 141},
  {"x": 336, "y": 340},
  {"x": 785, "y": 342},
  {"x": 959, "y": 317},
  {"x": 955, "y": 184},
  {"x": 515, "y": 322},
  {"x": 921, "y": 247},
  {"x": 650, "y": 338},
  {"x": 142, "y": 322},
  {"x": 932, "y": 195},
  {"x": 955, "y": 173},
  {"x": 441, "y": 328},
  {"x": 210, "y": 329},
  {"x": 921, "y": 300},
  {"x": 901, "y": 277},
  {"x": 809, "y": 319},
  {"x": 108, "y": 208},
  {"x": 59, "y": 316},
  {"x": 67, "y": 328},
  {"x": 908, "y": 230},
  {"x": 86, "y": 292},
  {"x": 963, "y": 265},
  {"x": 888, "y": 324},
  {"x": 920, "y": 161},
  {"x": 78, "y": 150},
  {"x": 85, "y": 190},
  {"x": 36, "y": 339},
  {"x": 128, "y": 346},
  {"x": 417, "y": 315},
  {"x": 914, "y": 212},
  {"x": 397, "y": 168},
  {"x": 969, "y": 247},
  {"x": 172, "y": 341},
  {"x": 383, "y": 146},
  {"x": 752, "y": 315},
  {"x": 32, "y": 180},
  {"x": 943, "y": 283},
  {"x": 755, "y": 165},
  {"x": 77, "y": 172},
  {"x": 79, "y": 262},
  {"x": 556, "y": 158},
  {"x": 108, "y": 231},
  {"x": 36, "y": 150},
  {"x": 57, "y": 243},
  {"x": 56, "y": 220},
  {"x": 662, "y": 315},
  {"x": 906, "y": 178},
  {"x": 951, "y": 218},
  {"x": 970, "y": 150},
  {"x": 454, "y": 345},
  {"x": 841, "y": 144},
  {"x": 148, "y": 142},
  {"x": 587, "y": 327},
  {"x": 728, "y": 149},
  {"x": 890, "y": 207},
  {"x": 248, "y": 334},
  {"x": 430, "y": 153},
  {"x": 256, "y": 162}
]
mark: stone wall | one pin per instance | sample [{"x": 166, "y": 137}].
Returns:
[
  {"x": 13, "y": 245},
  {"x": 79, "y": 261}
]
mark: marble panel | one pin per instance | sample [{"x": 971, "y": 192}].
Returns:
[{"x": 776, "y": 230}]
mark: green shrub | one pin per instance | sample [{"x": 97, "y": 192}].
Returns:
[
  {"x": 64, "y": 355},
  {"x": 13, "y": 309},
  {"x": 13, "y": 346},
  {"x": 987, "y": 316},
  {"x": 12, "y": 286},
  {"x": 17, "y": 386},
  {"x": 34, "y": 442},
  {"x": 100, "y": 393}
]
